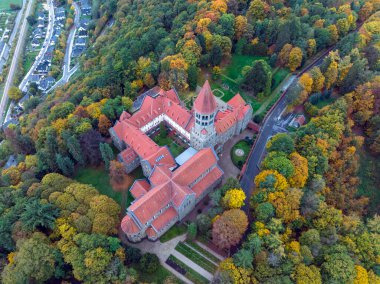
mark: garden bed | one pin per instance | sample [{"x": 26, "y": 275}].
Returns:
[
  {"x": 196, "y": 257},
  {"x": 203, "y": 251},
  {"x": 186, "y": 271}
]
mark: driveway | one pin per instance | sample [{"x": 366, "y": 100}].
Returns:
[{"x": 225, "y": 162}]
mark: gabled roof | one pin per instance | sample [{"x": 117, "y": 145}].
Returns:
[
  {"x": 139, "y": 188},
  {"x": 205, "y": 103}
]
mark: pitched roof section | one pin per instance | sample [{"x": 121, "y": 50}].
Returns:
[
  {"x": 139, "y": 188},
  {"x": 205, "y": 103}
]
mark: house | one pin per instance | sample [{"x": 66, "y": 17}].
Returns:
[
  {"x": 35, "y": 43},
  {"x": 42, "y": 68},
  {"x": 173, "y": 186},
  {"x": 46, "y": 83},
  {"x": 85, "y": 7},
  {"x": 34, "y": 78},
  {"x": 297, "y": 121},
  {"x": 82, "y": 34},
  {"x": 60, "y": 14},
  {"x": 40, "y": 24},
  {"x": 48, "y": 57},
  {"x": 84, "y": 23},
  {"x": 41, "y": 16},
  {"x": 80, "y": 42},
  {"x": 77, "y": 51}
]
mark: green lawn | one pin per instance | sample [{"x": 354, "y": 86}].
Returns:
[
  {"x": 158, "y": 276},
  {"x": 174, "y": 148},
  {"x": 4, "y": 4},
  {"x": 30, "y": 57},
  {"x": 173, "y": 232},
  {"x": 190, "y": 274},
  {"x": 279, "y": 74},
  {"x": 99, "y": 178},
  {"x": 238, "y": 62},
  {"x": 322, "y": 103},
  {"x": 369, "y": 176},
  {"x": 237, "y": 160},
  {"x": 196, "y": 257}
]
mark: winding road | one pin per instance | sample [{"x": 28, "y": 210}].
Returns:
[{"x": 268, "y": 129}]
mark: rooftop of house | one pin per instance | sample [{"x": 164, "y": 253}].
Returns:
[{"x": 205, "y": 103}]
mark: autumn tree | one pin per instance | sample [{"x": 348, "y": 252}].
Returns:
[
  {"x": 281, "y": 142},
  {"x": 118, "y": 177},
  {"x": 229, "y": 228},
  {"x": 104, "y": 125},
  {"x": 331, "y": 74},
  {"x": 234, "y": 198},
  {"x": 14, "y": 93},
  {"x": 318, "y": 79},
  {"x": 295, "y": 58}
]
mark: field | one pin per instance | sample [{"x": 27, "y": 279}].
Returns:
[
  {"x": 4, "y": 4},
  {"x": 238, "y": 62},
  {"x": 99, "y": 178},
  {"x": 174, "y": 148}
]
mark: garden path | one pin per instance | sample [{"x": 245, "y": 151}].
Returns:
[{"x": 225, "y": 162}]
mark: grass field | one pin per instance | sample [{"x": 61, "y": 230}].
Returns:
[
  {"x": 279, "y": 74},
  {"x": 99, "y": 178},
  {"x": 369, "y": 181},
  {"x": 174, "y": 148},
  {"x": 173, "y": 232},
  {"x": 233, "y": 69},
  {"x": 240, "y": 160},
  {"x": 4, "y": 4},
  {"x": 29, "y": 58}
]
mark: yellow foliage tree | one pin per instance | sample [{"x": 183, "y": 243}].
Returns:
[
  {"x": 280, "y": 182},
  {"x": 333, "y": 33},
  {"x": 219, "y": 6},
  {"x": 301, "y": 171},
  {"x": 241, "y": 24},
  {"x": 311, "y": 47},
  {"x": 295, "y": 58},
  {"x": 237, "y": 274},
  {"x": 331, "y": 74},
  {"x": 234, "y": 198},
  {"x": 361, "y": 275},
  {"x": 306, "y": 81}
]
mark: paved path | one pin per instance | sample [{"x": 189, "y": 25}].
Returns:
[
  {"x": 193, "y": 266},
  {"x": 225, "y": 162},
  {"x": 14, "y": 63}
]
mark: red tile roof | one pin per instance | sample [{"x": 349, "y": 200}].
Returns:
[
  {"x": 128, "y": 225},
  {"x": 128, "y": 155},
  {"x": 224, "y": 120},
  {"x": 139, "y": 188},
  {"x": 151, "y": 232},
  {"x": 164, "y": 218},
  {"x": 205, "y": 103},
  {"x": 207, "y": 181},
  {"x": 236, "y": 101}
]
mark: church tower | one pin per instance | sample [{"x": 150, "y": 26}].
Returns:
[{"x": 205, "y": 108}]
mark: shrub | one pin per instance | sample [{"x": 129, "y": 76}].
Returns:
[{"x": 149, "y": 263}]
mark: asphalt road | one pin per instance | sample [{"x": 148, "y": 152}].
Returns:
[
  {"x": 15, "y": 59},
  {"x": 46, "y": 44},
  {"x": 267, "y": 130}
]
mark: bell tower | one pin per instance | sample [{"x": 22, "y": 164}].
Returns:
[{"x": 205, "y": 108}]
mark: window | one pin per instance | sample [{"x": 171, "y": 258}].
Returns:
[
  {"x": 211, "y": 115},
  {"x": 197, "y": 121},
  {"x": 204, "y": 117}
]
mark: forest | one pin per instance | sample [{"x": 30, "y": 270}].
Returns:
[{"x": 313, "y": 216}]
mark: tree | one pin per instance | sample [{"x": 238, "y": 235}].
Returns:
[
  {"x": 74, "y": 148},
  {"x": 281, "y": 142},
  {"x": 306, "y": 81},
  {"x": 234, "y": 198},
  {"x": 36, "y": 260},
  {"x": 256, "y": 10},
  {"x": 216, "y": 54},
  {"x": 14, "y": 93},
  {"x": 107, "y": 154},
  {"x": 295, "y": 58},
  {"x": 203, "y": 223},
  {"x": 241, "y": 24},
  {"x": 243, "y": 258},
  {"x": 149, "y": 263},
  {"x": 104, "y": 125},
  {"x": 307, "y": 274},
  {"x": 229, "y": 228},
  {"x": 65, "y": 164},
  {"x": 31, "y": 20},
  {"x": 119, "y": 179},
  {"x": 89, "y": 142},
  {"x": 264, "y": 211},
  {"x": 338, "y": 267},
  {"x": 192, "y": 77},
  {"x": 38, "y": 215},
  {"x": 331, "y": 74},
  {"x": 283, "y": 56},
  {"x": 259, "y": 78},
  {"x": 279, "y": 162},
  {"x": 318, "y": 79},
  {"x": 301, "y": 172}
]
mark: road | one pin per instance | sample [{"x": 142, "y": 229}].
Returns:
[
  {"x": 15, "y": 59},
  {"x": 268, "y": 129},
  {"x": 17, "y": 23},
  {"x": 40, "y": 56},
  {"x": 67, "y": 72}
]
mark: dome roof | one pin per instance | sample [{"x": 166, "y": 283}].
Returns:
[{"x": 205, "y": 103}]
